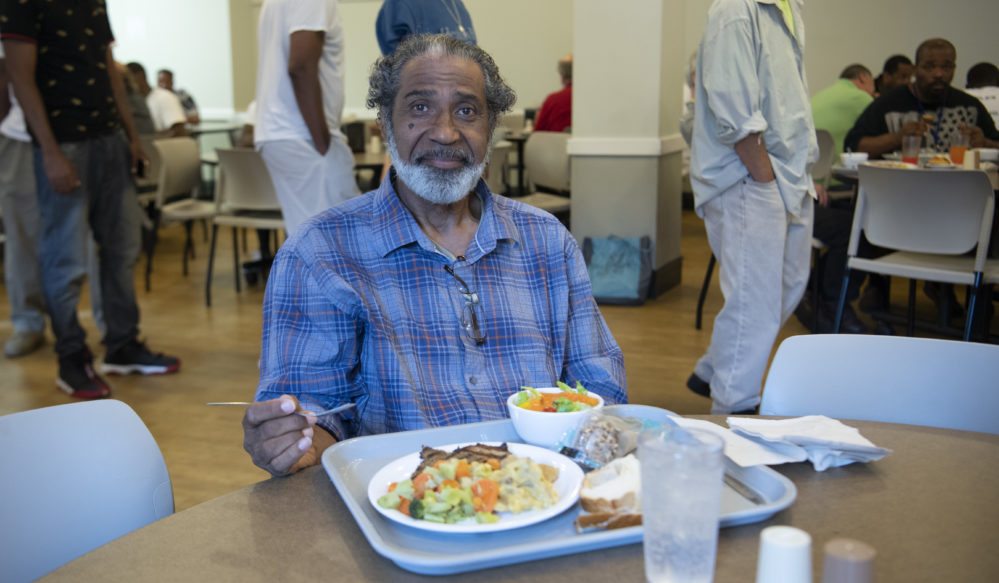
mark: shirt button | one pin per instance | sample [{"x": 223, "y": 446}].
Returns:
[{"x": 473, "y": 380}]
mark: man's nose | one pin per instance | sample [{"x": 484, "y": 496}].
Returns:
[{"x": 444, "y": 130}]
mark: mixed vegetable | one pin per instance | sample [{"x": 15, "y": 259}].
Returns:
[
  {"x": 571, "y": 399},
  {"x": 455, "y": 490}
]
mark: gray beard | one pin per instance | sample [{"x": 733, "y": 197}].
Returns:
[{"x": 435, "y": 185}]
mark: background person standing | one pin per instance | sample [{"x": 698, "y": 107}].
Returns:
[
  {"x": 753, "y": 148},
  {"x": 299, "y": 103},
  {"x": 398, "y": 19},
  {"x": 60, "y": 63},
  {"x": 21, "y": 225}
]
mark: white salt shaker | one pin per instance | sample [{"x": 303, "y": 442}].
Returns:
[{"x": 785, "y": 556}]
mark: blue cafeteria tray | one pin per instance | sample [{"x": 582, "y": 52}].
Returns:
[{"x": 352, "y": 463}]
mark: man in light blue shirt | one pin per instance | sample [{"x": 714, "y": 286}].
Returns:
[{"x": 753, "y": 149}]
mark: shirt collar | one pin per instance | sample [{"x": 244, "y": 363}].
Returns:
[{"x": 394, "y": 227}]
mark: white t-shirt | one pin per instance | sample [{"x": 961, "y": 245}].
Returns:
[
  {"x": 989, "y": 96},
  {"x": 13, "y": 125},
  {"x": 278, "y": 116},
  {"x": 165, "y": 109}
]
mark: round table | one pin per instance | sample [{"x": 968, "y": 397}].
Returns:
[{"x": 929, "y": 509}]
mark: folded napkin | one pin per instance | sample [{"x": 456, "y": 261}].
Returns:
[
  {"x": 743, "y": 451},
  {"x": 826, "y": 442}
]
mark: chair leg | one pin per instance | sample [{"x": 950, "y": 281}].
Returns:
[
  {"x": 704, "y": 291},
  {"x": 911, "y": 323},
  {"x": 211, "y": 266},
  {"x": 151, "y": 247},
  {"x": 235, "y": 257},
  {"x": 818, "y": 261},
  {"x": 987, "y": 301},
  {"x": 970, "y": 318},
  {"x": 842, "y": 301},
  {"x": 188, "y": 246}
]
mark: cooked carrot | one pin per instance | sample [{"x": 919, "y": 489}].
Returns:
[
  {"x": 420, "y": 485},
  {"x": 493, "y": 463},
  {"x": 488, "y": 493},
  {"x": 392, "y": 486},
  {"x": 546, "y": 401},
  {"x": 450, "y": 484},
  {"x": 462, "y": 470},
  {"x": 404, "y": 505}
]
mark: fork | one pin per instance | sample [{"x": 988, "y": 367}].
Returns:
[{"x": 336, "y": 409}]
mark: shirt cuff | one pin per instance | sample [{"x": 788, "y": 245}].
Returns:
[{"x": 730, "y": 135}]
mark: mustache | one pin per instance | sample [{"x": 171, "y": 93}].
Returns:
[{"x": 443, "y": 153}]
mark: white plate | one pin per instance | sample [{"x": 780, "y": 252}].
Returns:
[
  {"x": 942, "y": 166},
  {"x": 570, "y": 478},
  {"x": 890, "y": 164}
]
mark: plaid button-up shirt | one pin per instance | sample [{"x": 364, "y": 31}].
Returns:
[{"x": 360, "y": 308}]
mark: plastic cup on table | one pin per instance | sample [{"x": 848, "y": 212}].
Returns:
[
  {"x": 959, "y": 143},
  {"x": 682, "y": 472},
  {"x": 910, "y": 149},
  {"x": 785, "y": 556}
]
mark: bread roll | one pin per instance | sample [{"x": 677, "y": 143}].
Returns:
[{"x": 614, "y": 488}]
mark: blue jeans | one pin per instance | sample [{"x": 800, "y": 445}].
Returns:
[{"x": 104, "y": 204}]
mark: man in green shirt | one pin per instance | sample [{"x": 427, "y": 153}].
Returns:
[{"x": 837, "y": 107}]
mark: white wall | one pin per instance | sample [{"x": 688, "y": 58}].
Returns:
[
  {"x": 842, "y": 32},
  {"x": 526, "y": 38},
  {"x": 189, "y": 37}
]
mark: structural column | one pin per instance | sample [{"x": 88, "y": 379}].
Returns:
[{"x": 626, "y": 151}]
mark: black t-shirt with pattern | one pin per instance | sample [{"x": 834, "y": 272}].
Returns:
[
  {"x": 888, "y": 113},
  {"x": 72, "y": 37}
]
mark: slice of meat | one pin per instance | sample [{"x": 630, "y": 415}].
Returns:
[
  {"x": 430, "y": 456},
  {"x": 481, "y": 452},
  {"x": 470, "y": 453}
]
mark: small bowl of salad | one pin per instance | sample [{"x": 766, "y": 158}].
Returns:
[{"x": 542, "y": 416}]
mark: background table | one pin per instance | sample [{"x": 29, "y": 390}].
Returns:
[{"x": 930, "y": 510}]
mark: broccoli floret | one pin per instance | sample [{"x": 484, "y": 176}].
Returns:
[{"x": 416, "y": 509}]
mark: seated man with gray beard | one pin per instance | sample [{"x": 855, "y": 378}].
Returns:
[{"x": 428, "y": 301}]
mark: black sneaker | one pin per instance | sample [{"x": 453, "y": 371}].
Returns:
[
  {"x": 78, "y": 379},
  {"x": 699, "y": 385},
  {"x": 135, "y": 357}
]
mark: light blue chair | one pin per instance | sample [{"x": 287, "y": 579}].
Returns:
[
  {"x": 73, "y": 477},
  {"x": 917, "y": 381}
]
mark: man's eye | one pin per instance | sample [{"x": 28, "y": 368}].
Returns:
[
  {"x": 466, "y": 111},
  {"x": 420, "y": 107}
]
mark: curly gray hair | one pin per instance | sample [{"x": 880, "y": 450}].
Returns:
[{"x": 386, "y": 74}]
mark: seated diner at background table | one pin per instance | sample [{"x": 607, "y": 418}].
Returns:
[
  {"x": 929, "y": 107},
  {"x": 983, "y": 82},
  {"x": 164, "y": 80},
  {"x": 164, "y": 107},
  {"x": 897, "y": 71},
  {"x": 555, "y": 114},
  {"x": 428, "y": 301}
]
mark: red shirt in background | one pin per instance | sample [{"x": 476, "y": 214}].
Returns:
[{"x": 556, "y": 112}]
